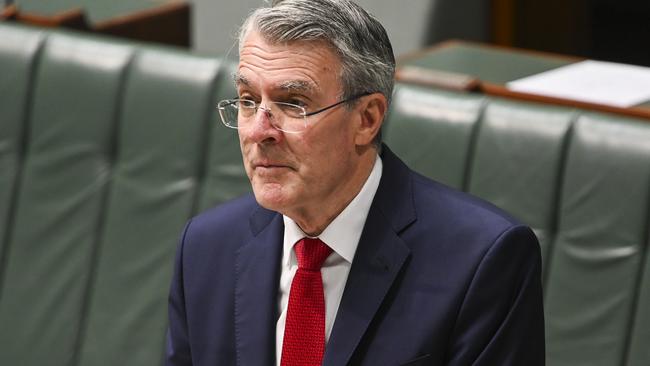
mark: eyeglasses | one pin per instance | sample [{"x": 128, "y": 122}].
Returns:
[{"x": 286, "y": 117}]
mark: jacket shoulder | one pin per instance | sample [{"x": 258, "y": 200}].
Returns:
[
  {"x": 459, "y": 214},
  {"x": 224, "y": 227},
  {"x": 234, "y": 212}
]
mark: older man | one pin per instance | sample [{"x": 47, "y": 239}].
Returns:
[{"x": 343, "y": 255}]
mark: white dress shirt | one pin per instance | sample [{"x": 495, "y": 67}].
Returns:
[{"x": 342, "y": 235}]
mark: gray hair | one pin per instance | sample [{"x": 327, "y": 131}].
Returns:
[{"x": 359, "y": 40}]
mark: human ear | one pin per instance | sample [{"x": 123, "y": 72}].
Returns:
[{"x": 372, "y": 109}]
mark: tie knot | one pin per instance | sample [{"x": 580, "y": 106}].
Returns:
[{"x": 311, "y": 253}]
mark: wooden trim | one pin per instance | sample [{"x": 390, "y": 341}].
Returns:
[
  {"x": 475, "y": 85},
  {"x": 502, "y": 22},
  {"x": 169, "y": 23},
  {"x": 424, "y": 76},
  {"x": 455, "y": 43},
  {"x": 73, "y": 18},
  {"x": 9, "y": 12},
  {"x": 436, "y": 78},
  {"x": 503, "y": 91},
  {"x": 142, "y": 15}
]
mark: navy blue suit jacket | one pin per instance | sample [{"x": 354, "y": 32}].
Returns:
[{"x": 439, "y": 278}]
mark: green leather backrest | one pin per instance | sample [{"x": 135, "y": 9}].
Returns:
[
  {"x": 122, "y": 145},
  {"x": 17, "y": 53},
  {"x": 517, "y": 162},
  {"x": 433, "y": 132},
  {"x": 597, "y": 258},
  {"x": 638, "y": 351},
  {"x": 224, "y": 171},
  {"x": 60, "y": 202},
  {"x": 167, "y": 106}
]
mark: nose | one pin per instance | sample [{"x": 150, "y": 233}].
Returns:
[
  {"x": 266, "y": 110},
  {"x": 262, "y": 130}
]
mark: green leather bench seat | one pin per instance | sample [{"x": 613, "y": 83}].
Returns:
[
  {"x": 434, "y": 131},
  {"x": 223, "y": 176},
  {"x": 107, "y": 148},
  {"x": 517, "y": 162},
  {"x": 639, "y": 352},
  {"x": 597, "y": 257},
  {"x": 117, "y": 146},
  {"x": 153, "y": 189},
  {"x": 57, "y": 217},
  {"x": 17, "y": 51}
]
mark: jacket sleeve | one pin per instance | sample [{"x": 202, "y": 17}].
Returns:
[
  {"x": 177, "y": 348},
  {"x": 501, "y": 320}
]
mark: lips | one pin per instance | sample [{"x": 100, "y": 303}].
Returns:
[{"x": 269, "y": 165}]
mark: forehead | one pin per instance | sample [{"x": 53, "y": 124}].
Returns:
[{"x": 301, "y": 65}]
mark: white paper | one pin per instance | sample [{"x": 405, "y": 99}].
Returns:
[{"x": 590, "y": 81}]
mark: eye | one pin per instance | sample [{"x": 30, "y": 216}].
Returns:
[
  {"x": 296, "y": 101},
  {"x": 247, "y": 97},
  {"x": 247, "y": 94}
]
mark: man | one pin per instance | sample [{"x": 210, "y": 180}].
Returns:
[{"x": 343, "y": 255}]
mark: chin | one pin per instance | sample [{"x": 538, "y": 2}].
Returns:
[{"x": 271, "y": 196}]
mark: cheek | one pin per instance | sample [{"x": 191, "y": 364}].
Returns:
[
  {"x": 246, "y": 161},
  {"x": 241, "y": 144},
  {"x": 247, "y": 149},
  {"x": 326, "y": 158}
]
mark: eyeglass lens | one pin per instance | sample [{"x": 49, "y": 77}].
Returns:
[{"x": 283, "y": 116}]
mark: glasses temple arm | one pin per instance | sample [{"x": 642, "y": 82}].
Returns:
[{"x": 336, "y": 104}]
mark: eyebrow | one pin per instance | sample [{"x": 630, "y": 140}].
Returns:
[
  {"x": 298, "y": 86},
  {"x": 290, "y": 85},
  {"x": 240, "y": 79}
]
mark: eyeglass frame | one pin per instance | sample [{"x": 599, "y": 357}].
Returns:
[{"x": 304, "y": 112}]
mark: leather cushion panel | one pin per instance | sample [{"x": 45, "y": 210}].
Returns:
[
  {"x": 160, "y": 147},
  {"x": 431, "y": 130},
  {"x": 18, "y": 53},
  {"x": 60, "y": 201},
  {"x": 225, "y": 177},
  {"x": 602, "y": 232},
  {"x": 517, "y": 162}
]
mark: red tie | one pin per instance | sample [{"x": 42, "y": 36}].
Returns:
[{"x": 304, "y": 332}]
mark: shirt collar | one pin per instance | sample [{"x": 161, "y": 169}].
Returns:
[{"x": 344, "y": 232}]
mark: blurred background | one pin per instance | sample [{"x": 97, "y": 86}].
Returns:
[
  {"x": 411, "y": 24},
  {"x": 599, "y": 29}
]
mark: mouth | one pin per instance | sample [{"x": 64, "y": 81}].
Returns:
[{"x": 269, "y": 166}]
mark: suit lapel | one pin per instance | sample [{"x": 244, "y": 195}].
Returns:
[
  {"x": 256, "y": 290},
  {"x": 375, "y": 267},
  {"x": 380, "y": 256}
]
